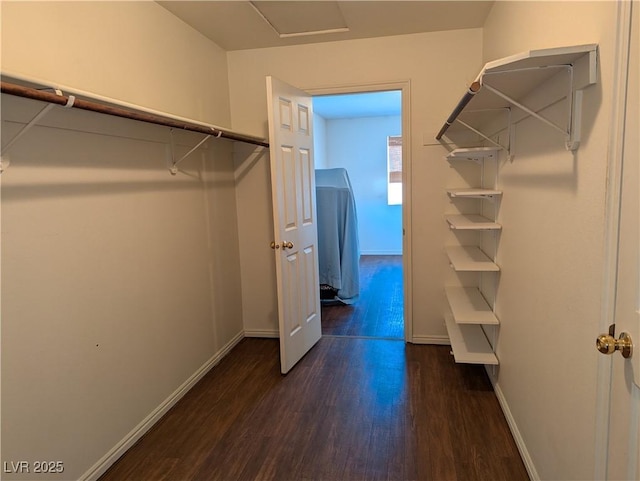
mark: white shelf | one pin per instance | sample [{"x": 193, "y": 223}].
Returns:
[
  {"x": 470, "y": 259},
  {"x": 471, "y": 222},
  {"x": 469, "y": 307},
  {"x": 474, "y": 193},
  {"x": 473, "y": 153},
  {"x": 525, "y": 71},
  {"x": 469, "y": 344},
  {"x": 503, "y": 83}
]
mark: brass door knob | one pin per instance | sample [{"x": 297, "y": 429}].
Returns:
[
  {"x": 275, "y": 246},
  {"x": 287, "y": 245},
  {"x": 607, "y": 344}
]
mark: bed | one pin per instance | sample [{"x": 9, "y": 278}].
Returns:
[{"x": 338, "y": 247}]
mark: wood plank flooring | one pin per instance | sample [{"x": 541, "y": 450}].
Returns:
[
  {"x": 378, "y": 312},
  {"x": 352, "y": 409}
]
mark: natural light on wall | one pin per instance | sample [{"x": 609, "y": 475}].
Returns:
[{"x": 394, "y": 170}]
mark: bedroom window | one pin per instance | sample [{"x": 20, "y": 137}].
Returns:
[{"x": 394, "y": 170}]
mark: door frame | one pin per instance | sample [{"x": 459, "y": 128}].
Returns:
[
  {"x": 405, "y": 87},
  {"x": 612, "y": 219}
]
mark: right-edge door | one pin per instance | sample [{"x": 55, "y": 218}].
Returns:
[{"x": 623, "y": 457}]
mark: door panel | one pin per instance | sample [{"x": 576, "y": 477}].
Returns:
[
  {"x": 308, "y": 209},
  {"x": 289, "y": 187},
  {"x": 623, "y": 458},
  {"x": 292, "y": 314},
  {"x": 296, "y": 238}
]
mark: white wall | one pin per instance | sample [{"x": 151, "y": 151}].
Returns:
[
  {"x": 360, "y": 146},
  {"x": 144, "y": 270},
  {"x": 120, "y": 282},
  {"x": 135, "y": 52},
  {"x": 455, "y": 56},
  {"x": 551, "y": 246},
  {"x": 319, "y": 141}
]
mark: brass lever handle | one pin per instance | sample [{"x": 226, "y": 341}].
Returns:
[{"x": 607, "y": 344}]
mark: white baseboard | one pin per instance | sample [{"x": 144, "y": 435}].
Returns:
[
  {"x": 439, "y": 340},
  {"x": 515, "y": 432},
  {"x": 140, "y": 430},
  {"x": 270, "y": 333}
]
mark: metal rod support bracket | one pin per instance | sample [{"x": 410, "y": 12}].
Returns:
[
  {"x": 20, "y": 134},
  {"x": 4, "y": 159},
  {"x": 574, "y": 109},
  {"x": 173, "y": 168},
  {"x": 485, "y": 137}
]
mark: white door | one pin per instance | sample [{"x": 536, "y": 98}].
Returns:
[
  {"x": 294, "y": 217},
  {"x": 623, "y": 458}
]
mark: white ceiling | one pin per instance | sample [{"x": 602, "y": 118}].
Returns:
[{"x": 238, "y": 25}]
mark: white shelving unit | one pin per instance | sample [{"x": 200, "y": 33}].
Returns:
[
  {"x": 499, "y": 98},
  {"x": 470, "y": 311},
  {"x": 474, "y": 193},
  {"x": 470, "y": 259},
  {"x": 475, "y": 154},
  {"x": 469, "y": 344},
  {"x": 505, "y": 83},
  {"x": 471, "y": 222},
  {"x": 469, "y": 307}
]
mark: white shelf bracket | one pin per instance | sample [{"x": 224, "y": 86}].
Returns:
[
  {"x": 574, "y": 109},
  {"x": 488, "y": 137},
  {"x": 525, "y": 108},
  {"x": 173, "y": 167},
  {"x": 4, "y": 163},
  {"x": 4, "y": 159},
  {"x": 575, "y": 131},
  {"x": 485, "y": 137},
  {"x": 26, "y": 128}
]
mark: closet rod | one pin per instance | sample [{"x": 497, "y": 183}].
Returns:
[
  {"x": 474, "y": 88},
  {"x": 35, "y": 94}
]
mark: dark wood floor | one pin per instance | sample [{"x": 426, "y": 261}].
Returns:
[
  {"x": 378, "y": 312},
  {"x": 352, "y": 409}
]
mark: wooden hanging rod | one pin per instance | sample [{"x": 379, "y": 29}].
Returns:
[
  {"x": 54, "y": 98},
  {"x": 474, "y": 88}
]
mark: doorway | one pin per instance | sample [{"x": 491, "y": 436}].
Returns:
[{"x": 362, "y": 134}]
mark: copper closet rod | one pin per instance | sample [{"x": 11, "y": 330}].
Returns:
[
  {"x": 474, "y": 88},
  {"x": 54, "y": 98}
]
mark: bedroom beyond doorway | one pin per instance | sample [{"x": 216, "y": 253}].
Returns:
[
  {"x": 352, "y": 132},
  {"x": 379, "y": 311}
]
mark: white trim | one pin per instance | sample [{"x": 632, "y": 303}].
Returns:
[
  {"x": 266, "y": 333},
  {"x": 99, "y": 468},
  {"x": 405, "y": 87},
  {"x": 515, "y": 432},
  {"x": 612, "y": 221},
  {"x": 437, "y": 340}
]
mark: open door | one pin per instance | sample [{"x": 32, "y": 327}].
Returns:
[
  {"x": 294, "y": 217},
  {"x": 623, "y": 340}
]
